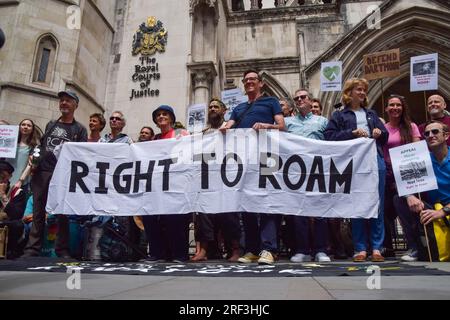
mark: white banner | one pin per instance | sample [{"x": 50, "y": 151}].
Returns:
[
  {"x": 331, "y": 76},
  {"x": 413, "y": 169},
  {"x": 424, "y": 72},
  {"x": 241, "y": 171},
  {"x": 8, "y": 141}
]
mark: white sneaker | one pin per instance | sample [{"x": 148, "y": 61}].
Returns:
[
  {"x": 265, "y": 257},
  {"x": 411, "y": 255},
  {"x": 322, "y": 257},
  {"x": 300, "y": 257}
]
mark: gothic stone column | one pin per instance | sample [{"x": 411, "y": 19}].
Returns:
[{"x": 202, "y": 75}]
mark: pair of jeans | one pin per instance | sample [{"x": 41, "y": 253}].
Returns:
[{"x": 376, "y": 225}]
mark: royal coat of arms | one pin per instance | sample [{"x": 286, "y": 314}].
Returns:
[{"x": 150, "y": 38}]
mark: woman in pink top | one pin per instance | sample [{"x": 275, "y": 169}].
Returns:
[{"x": 401, "y": 131}]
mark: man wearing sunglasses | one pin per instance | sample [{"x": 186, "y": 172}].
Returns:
[
  {"x": 65, "y": 129},
  {"x": 116, "y": 122},
  {"x": 436, "y": 134},
  {"x": 436, "y": 109},
  {"x": 308, "y": 125}
]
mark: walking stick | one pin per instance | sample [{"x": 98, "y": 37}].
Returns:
[{"x": 426, "y": 237}]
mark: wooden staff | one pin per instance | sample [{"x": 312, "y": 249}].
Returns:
[
  {"x": 382, "y": 99},
  {"x": 426, "y": 111},
  {"x": 426, "y": 237}
]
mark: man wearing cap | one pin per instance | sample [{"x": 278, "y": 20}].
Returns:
[
  {"x": 65, "y": 129},
  {"x": 168, "y": 235},
  {"x": 12, "y": 207}
]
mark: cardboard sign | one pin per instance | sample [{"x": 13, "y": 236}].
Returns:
[{"x": 383, "y": 64}]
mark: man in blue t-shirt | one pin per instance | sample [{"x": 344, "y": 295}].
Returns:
[{"x": 260, "y": 112}]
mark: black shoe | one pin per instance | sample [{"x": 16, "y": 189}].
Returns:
[
  {"x": 388, "y": 253},
  {"x": 30, "y": 254},
  {"x": 64, "y": 255},
  {"x": 340, "y": 255},
  {"x": 152, "y": 259}
]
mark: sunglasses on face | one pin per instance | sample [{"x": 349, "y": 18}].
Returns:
[
  {"x": 115, "y": 118},
  {"x": 433, "y": 131},
  {"x": 300, "y": 97}
]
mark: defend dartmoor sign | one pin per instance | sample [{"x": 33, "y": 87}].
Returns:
[
  {"x": 383, "y": 64},
  {"x": 240, "y": 171}
]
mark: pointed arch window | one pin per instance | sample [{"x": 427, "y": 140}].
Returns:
[{"x": 45, "y": 58}]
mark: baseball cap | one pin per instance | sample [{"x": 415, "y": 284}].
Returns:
[{"x": 69, "y": 93}]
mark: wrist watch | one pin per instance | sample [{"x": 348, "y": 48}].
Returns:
[{"x": 446, "y": 210}]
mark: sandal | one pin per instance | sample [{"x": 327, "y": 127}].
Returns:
[
  {"x": 360, "y": 257},
  {"x": 377, "y": 257}
]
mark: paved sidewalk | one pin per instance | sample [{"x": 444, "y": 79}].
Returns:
[{"x": 52, "y": 285}]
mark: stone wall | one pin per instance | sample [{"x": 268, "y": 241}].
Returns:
[
  {"x": 174, "y": 82},
  {"x": 81, "y": 61}
]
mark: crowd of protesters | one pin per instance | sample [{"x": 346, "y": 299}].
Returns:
[{"x": 241, "y": 237}]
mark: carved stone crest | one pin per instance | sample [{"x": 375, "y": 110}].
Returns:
[{"x": 151, "y": 37}]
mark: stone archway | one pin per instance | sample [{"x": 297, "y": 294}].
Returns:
[
  {"x": 416, "y": 31},
  {"x": 273, "y": 87}
]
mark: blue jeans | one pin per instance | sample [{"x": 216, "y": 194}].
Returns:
[{"x": 376, "y": 225}]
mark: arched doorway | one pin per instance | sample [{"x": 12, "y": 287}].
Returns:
[
  {"x": 416, "y": 31},
  {"x": 416, "y": 100}
]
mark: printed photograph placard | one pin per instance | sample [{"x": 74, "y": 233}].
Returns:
[
  {"x": 413, "y": 170},
  {"x": 232, "y": 98},
  {"x": 197, "y": 118},
  {"x": 424, "y": 72},
  {"x": 8, "y": 141}
]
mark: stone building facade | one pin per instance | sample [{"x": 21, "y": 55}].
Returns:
[
  {"x": 209, "y": 44},
  {"x": 51, "y": 46}
]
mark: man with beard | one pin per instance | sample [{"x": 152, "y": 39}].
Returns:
[
  {"x": 208, "y": 226},
  {"x": 436, "y": 106}
]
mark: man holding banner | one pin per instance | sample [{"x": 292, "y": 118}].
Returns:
[
  {"x": 63, "y": 130},
  {"x": 259, "y": 112},
  {"x": 308, "y": 125}
]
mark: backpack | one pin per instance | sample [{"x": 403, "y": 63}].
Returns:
[{"x": 120, "y": 241}]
